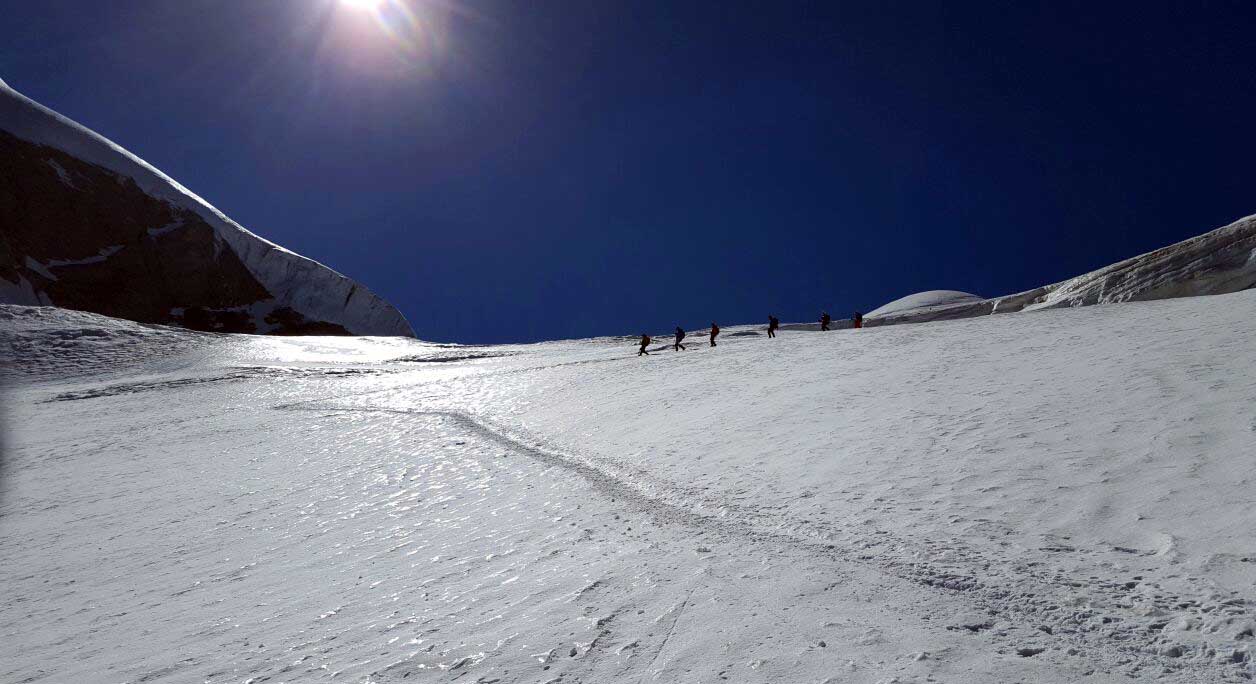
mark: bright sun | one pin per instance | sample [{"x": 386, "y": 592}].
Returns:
[{"x": 362, "y": 4}]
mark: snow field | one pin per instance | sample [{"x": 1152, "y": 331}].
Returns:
[{"x": 1055, "y": 496}]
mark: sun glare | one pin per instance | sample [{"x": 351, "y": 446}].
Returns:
[{"x": 409, "y": 28}]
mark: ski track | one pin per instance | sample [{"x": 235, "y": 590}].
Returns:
[
  {"x": 1037, "y": 600},
  {"x": 238, "y": 375},
  {"x": 652, "y": 602}
]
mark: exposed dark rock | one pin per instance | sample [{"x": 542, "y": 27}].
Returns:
[
  {"x": 86, "y": 225},
  {"x": 91, "y": 240}
]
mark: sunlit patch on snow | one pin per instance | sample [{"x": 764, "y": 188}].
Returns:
[
  {"x": 1056, "y": 496},
  {"x": 445, "y": 357}
]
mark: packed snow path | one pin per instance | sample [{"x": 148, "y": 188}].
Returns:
[{"x": 1057, "y": 496}]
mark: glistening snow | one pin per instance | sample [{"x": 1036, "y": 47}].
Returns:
[{"x": 1056, "y": 496}]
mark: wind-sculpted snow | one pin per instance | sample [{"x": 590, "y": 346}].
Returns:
[
  {"x": 1219, "y": 262},
  {"x": 1058, "y": 497},
  {"x": 924, "y": 300},
  {"x": 46, "y": 342},
  {"x": 297, "y": 290}
]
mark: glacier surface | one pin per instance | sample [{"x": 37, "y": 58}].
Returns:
[
  {"x": 1221, "y": 261},
  {"x": 1057, "y": 496}
]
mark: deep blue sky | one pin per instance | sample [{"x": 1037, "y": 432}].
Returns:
[{"x": 537, "y": 170}]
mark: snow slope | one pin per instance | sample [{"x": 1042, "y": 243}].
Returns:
[
  {"x": 1063, "y": 496},
  {"x": 924, "y": 300},
  {"x": 293, "y": 282},
  {"x": 1218, "y": 262}
]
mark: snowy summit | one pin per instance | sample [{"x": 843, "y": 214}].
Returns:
[{"x": 923, "y": 300}]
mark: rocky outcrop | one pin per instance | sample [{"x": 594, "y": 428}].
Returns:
[{"x": 86, "y": 225}]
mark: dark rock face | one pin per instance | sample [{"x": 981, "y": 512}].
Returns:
[{"x": 90, "y": 239}]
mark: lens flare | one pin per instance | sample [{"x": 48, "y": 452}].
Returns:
[
  {"x": 412, "y": 37},
  {"x": 412, "y": 34}
]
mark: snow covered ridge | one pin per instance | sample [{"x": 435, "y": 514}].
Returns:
[
  {"x": 1219, "y": 262},
  {"x": 925, "y": 300},
  {"x": 59, "y": 182}
]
